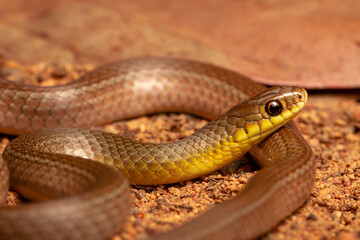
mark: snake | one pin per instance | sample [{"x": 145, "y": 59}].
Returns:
[{"x": 77, "y": 198}]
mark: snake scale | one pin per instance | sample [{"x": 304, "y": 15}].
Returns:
[{"x": 90, "y": 200}]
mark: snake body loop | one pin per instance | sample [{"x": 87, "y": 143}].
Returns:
[{"x": 49, "y": 163}]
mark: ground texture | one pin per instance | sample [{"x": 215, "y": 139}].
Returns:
[{"x": 330, "y": 123}]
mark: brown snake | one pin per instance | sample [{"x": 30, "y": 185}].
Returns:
[{"x": 91, "y": 199}]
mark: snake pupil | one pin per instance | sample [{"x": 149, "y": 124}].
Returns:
[{"x": 273, "y": 107}]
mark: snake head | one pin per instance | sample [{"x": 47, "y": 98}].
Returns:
[
  {"x": 281, "y": 104},
  {"x": 266, "y": 112}
]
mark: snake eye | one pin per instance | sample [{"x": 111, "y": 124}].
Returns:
[{"x": 273, "y": 107}]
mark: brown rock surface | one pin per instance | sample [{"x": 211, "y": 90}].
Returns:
[{"x": 307, "y": 43}]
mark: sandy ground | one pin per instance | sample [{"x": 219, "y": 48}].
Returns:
[{"x": 330, "y": 122}]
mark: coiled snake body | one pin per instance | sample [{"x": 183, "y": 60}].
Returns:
[{"x": 89, "y": 200}]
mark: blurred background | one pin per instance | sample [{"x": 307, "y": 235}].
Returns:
[{"x": 311, "y": 43}]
